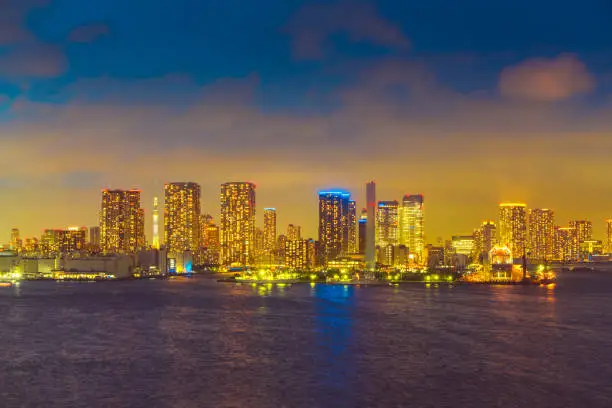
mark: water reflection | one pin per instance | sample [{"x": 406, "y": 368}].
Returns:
[{"x": 334, "y": 310}]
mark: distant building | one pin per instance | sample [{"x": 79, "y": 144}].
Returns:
[
  {"x": 294, "y": 232},
  {"x": 182, "y": 217},
  {"x": 210, "y": 241},
  {"x": 270, "y": 230},
  {"x": 16, "y": 243},
  {"x": 541, "y": 234},
  {"x": 237, "y": 223},
  {"x": 566, "y": 247},
  {"x": 513, "y": 227},
  {"x": 412, "y": 225},
  {"x": 387, "y": 230},
  {"x": 121, "y": 222},
  {"x": 363, "y": 225},
  {"x": 296, "y": 254},
  {"x": 333, "y": 224},
  {"x": 463, "y": 244},
  {"x": 94, "y": 239},
  {"x": 370, "y": 240},
  {"x": 156, "y": 244},
  {"x": 353, "y": 244}
]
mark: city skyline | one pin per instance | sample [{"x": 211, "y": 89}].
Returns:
[{"x": 599, "y": 227}]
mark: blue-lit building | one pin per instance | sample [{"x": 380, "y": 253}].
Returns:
[{"x": 334, "y": 224}]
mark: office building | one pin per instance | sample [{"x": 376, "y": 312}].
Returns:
[
  {"x": 541, "y": 234},
  {"x": 210, "y": 240},
  {"x": 296, "y": 253},
  {"x": 121, "y": 222},
  {"x": 412, "y": 225},
  {"x": 387, "y": 231},
  {"x": 513, "y": 227},
  {"x": 94, "y": 239},
  {"x": 15, "y": 243},
  {"x": 237, "y": 223},
  {"x": 463, "y": 245},
  {"x": 182, "y": 217},
  {"x": 333, "y": 224}
]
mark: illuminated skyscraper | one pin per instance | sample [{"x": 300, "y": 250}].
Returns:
[
  {"x": 609, "y": 235},
  {"x": 15, "y": 244},
  {"x": 294, "y": 232},
  {"x": 270, "y": 232},
  {"x": 541, "y": 234},
  {"x": 387, "y": 230},
  {"x": 50, "y": 242},
  {"x": 363, "y": 225},
  {"x": 333, "y": 224},
  {"x": 182, "y": 217},
  {"x": 412, "y": 225},
  {"x": 296, "y": 253},
  {"x": 513, "y": 227},
  {"x": 210, "y": 240},
  {"x": 353, "y": 245},
  {"x": 370, "y": 240},
  {"x": 565, "y": 246},
  {"x": 488, "y": 239},
  {"x": 156, "y": 243},
  {"x": 583, "y": 230},
  {"x": 72, "y": 239},
  {"x": 237, "y": 223},
  {"x": 121, "y": 221}
]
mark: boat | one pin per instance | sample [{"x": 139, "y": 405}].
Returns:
[{"x": 6, "y": 284}]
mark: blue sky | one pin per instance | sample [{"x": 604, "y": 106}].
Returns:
[{"x": 292, "y": 94}]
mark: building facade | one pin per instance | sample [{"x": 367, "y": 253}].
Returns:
[
  {"x": 412, "y": 225},
  {"x": 513, "y": 227},
  {"x": 541, "y": 234},
  {"x": 121, "y": 222},
  {"x": 237, "y": 223},
  {"x": 182, "y": 217},
  {"x": 333, "y": 224}
]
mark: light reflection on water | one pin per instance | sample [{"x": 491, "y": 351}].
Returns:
[{"x": 196, "y": 342}]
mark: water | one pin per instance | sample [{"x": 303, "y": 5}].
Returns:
[{"x": 194, "y": 343}]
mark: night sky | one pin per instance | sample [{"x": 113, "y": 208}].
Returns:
[{"x": 469, "y": 102}]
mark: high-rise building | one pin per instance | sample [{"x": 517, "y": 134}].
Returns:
[
  {"x": 296, "y": 253},
  {"x": 541, "y": 234},
  {"x": 463, "y": 245},
  {"x": 370, "y": 240},
  {"x": 237, "y": 223},
  {"x": 294, "y": 232},
  {"x": 156, "y": 243},
  {"x": 485, "y": 238},
  {"x": 16, "y": 243},
  {"x": 50, "y": 241},
  {"x": 182, "y": 217},
  {"x": 353, "y": 245},
  {"x": 121, "y": 221},
  {"x": 583, "y": 230},
  {"x": 565, "y": 246},
  {"x": 609, "y": 235},
  {"x": 333, "y": 224},
  {"x": 513, "y": 227},
  {"x": 412, "y": 225},
  {"x": 210, "y": 240},
  {"x": 31, "y": 245},
  {"x": 72, "y": 239},
  {"x": 270, "y": 232},
  {"x": 387, "y": 230},
  {"x": 363, "y": 226}
]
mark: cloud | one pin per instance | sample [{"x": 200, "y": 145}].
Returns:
[
  {"x": 36, "y": 60},
  {"x": 88, "y": 32},
  {"x": 313, "y": 25},
  {"x": 542, "y": 79},
  {"x": 12, "y": 20}
]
